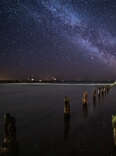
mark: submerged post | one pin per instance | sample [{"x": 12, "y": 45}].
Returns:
[
  {"x": 105, "y": 90},
  {"x": 99, "y": 92},
  {"x": 114, "y": 128}
]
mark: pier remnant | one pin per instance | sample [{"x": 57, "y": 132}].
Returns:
[
  {"x": 9, "y": 144},
  {"x": 85, "y": 98},
  {"x": 114, "y": 128},
  {"x": 99, "y": 92}
]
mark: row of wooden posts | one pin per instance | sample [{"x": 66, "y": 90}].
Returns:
[{"x": 99, "y": 92}]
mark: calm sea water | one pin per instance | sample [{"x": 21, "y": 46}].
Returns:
[{"x": 41, "y": 128}]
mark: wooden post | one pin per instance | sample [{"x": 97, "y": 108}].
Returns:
[{"x": 85, "y": 98}]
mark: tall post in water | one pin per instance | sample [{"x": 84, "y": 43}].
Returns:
[
  {"x": 105, "y": 90},
  {"x": 114, "y": 131},
  {"x": 85, "y": 98},
  {"x": 9, "y": 144},
  {"x": 99, "y": 92},
  {"x": 85, "y": 104}
]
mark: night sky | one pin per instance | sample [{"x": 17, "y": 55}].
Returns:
[{"x": 68, "y": 39}]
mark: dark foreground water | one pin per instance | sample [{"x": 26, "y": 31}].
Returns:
[{"x": 41, "y": 128}]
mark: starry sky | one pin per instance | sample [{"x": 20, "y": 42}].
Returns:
[{"x": 68, "y": 39}]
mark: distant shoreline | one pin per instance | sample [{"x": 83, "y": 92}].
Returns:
[{"x": 56, "y": 82}]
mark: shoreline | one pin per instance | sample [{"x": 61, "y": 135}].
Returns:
[{"x": 60, "y": 84}]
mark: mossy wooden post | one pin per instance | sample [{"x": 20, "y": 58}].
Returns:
[
  {"x": 114, "y": 128},
  {"x": 9, "y": 144}
]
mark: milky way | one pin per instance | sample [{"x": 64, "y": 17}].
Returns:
[{"x": 65, "y": 38}]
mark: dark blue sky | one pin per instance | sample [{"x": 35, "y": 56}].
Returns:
[{"x": 70, "y": 39}]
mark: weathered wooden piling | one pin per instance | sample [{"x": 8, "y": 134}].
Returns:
[
  {"x": 114, "y": 128},
  {"x": 104, "y": 89},
  {"x": 99, "y": 92},
  {"x": 85, "y": 98},
  {"x": 9, "y": 144}
]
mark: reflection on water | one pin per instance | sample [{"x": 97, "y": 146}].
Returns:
[
  {"x": 67, "y": 126},
  {"x": 46, "y": 127},
  {"x": 67, "y": 116},
  {"x": 94, "y": 103},
  {"x": 66, "y": 106},
  {"x": 85, "y": 110}
]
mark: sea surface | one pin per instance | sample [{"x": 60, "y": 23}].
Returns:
[{"x": 41, "y": 127}]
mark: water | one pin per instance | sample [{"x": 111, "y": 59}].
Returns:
[{"x": 41, "y": 128}]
